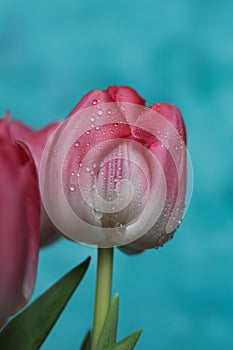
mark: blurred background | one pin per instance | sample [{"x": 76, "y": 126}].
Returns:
[{"x": 51, "y": 53}]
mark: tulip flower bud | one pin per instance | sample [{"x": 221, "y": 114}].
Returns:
[
  {"x": 19, "y": 223},
  {"x": 114, "y": 172}
]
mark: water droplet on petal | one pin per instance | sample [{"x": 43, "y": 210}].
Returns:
[
  {"x": 94, "y": 102},
  {"x": 120, "y": 229},
  {"x": 76, "y": 144},
  {"x": 98, "y": 214},
  {"x": 72, "y": 188},
  {"x": 100, "y": 112},
  {"x": 119, "y": 224}
]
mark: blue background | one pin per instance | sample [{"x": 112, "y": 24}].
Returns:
[{"x": 51, "y": 53}]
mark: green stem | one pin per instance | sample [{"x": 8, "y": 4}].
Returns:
[{"x": 103, "y": 292}]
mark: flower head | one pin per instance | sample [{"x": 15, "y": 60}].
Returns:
[
  {"x": 19, "y": 223},
  {"x": 114, "y": 172}
]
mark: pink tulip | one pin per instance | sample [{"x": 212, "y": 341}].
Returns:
[
  {"x": 19, "y": 223},
  {"x": 114, "y": 172},
  {"x": 36, "y": 141}
]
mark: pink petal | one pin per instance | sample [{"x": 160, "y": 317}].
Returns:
[
  {"x": 125, "y": 94},
  {"x": 20, "y": 131},
  {"x": 36, "y": 141},
  {"x": 173, "y": 115},
  {"x": 92, "y": 98},
  {"x": 166, "y": 143},
  {"x": 19, "y": 222},
  {"x": 4, "y": 127},
  {"x": 32, "y": 200}
]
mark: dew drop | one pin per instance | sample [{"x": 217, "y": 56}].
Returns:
[
  {"x": 94, "y": 165},
  {"x": 119, "y": 224},
  {"x": 98, "y": 214},
  {"x": 94, "y": 102},
  {"x": 92, "y": 119},
  {"x": 88, "y": 168},
  {"x": 72, "y": 188},
  {"x": 88, "y": 132},
  {"x": 100, "y": 112},
  {"x": 119, "y": 228},
  {"x": 76, "y": 144},
  {"x": 97, "y": 128}
]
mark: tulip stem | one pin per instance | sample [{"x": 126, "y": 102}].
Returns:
[{"x": 103, "y": 292}]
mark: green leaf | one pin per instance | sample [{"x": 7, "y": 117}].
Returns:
[
  {"x": 127, "y": 343},
  {"x": 108, "y": 334},
  {"x": 86, "y": 344},
  {"x": 28, "y": 330}
]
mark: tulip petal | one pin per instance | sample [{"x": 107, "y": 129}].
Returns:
[
  {"x": 19, "y": 218},
  {"x": 13, "y": 235},
  {"x": 36, "y": 141},
  {"x": 32, "y": 198},
  {"x": 173, "y": 115},
  {"x": 92, "y": 98},
  {"x": 167, "y": 144},
  {"x": 20, "y": 131},
  {"x": 4, "y": 127},
  {"x": 125, "y": 94}
]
